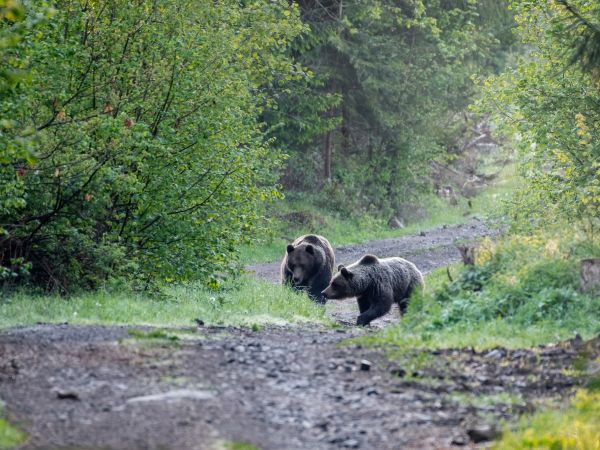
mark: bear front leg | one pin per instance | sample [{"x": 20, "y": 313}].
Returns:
[
  {"x": 380, "y": 305},
  {"x": 318, "y": 285},
  {"x": 315, "y": 294},
  {"x": 363, "y": 304}
]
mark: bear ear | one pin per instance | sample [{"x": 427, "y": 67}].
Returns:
[
  {"x": 290, "y": 248},
  {"x": 340, "y": 267},
  {"x": 368, "y": 259},
  {"x": 346, "y": 273},
  {"x": 310, "y": 249}
]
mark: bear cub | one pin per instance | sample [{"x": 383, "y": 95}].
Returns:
[
  {"x": 308, "y": 265},
  {"x": 376, "y": 284}
]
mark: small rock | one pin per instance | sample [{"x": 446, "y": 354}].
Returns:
[
  {"x": 199, "y": 322},
  {"x": 240, "y": 349},
  {"x": 422, "y": 233},
  {"x": 459, "y": 440},
  {"x": 350, "y": 443},
  {"x": 66, "y": 395},
  {"x": 372, "y": 391},
  {"x": 483, "y": 433},
  {"x": 365, "y": 365},
  {"x": 175, "y": 395},
  {"x": 398, "y": 371},
  {"x": 496, "y": 353},
  {"x": 322, "y": 424}
]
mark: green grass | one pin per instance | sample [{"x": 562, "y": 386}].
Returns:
[
  {"x": 248, "y": 302},
  {"x": 9, "y": 435},
  {"x": 239, "y": 446},
  {"x": 575, "y": 426}
]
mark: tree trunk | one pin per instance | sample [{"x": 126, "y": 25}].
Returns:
[
  {"x": 467, "y": 252},
  {"x": 590, "y": 275},
  {"x": 327, "y": 156},
  {"x": 345, "y": 130}
]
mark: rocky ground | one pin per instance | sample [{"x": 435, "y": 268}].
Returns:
[{"x": 92, "y": 387}]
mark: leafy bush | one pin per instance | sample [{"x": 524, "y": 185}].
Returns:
[
  {"x": 551, "y": 106},
  {"x": 523, "y": 279},
  {"x": 150, "y": 159}
]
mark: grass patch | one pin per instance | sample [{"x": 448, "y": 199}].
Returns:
[
  {"x": 522, "y": 292},
  {"x": 9, "y": 435},
  {"x": 574, "y": 427},
  {"x": 154, "y": 335},
  {"x": 236, "y": 445},
  {"x": 247, "y": 302}
]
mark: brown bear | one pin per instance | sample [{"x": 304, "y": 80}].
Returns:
[
  {"x": 308, "y": 265},
  {"x": 376, "y": 284}
]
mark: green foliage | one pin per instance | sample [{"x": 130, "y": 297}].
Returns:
[
  {"x": 247, "y": 302},
  {"x": 551, "y": 107},
  {"x": 522, "y": 291},
  {"x": 151, "y": 160},
  {"x": 526, "y": 280},
  {"x": 16, "y": 140},
  {"x": 573, "y": 427}
]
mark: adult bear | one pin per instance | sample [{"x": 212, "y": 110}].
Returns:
[
  {"x": 308, "y": 265},
  {"x": 376, "y": 284}
]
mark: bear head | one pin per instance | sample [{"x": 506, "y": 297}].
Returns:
[
  {"x": 303, "y": 261},
  {"x": 351, "y": 281},
  {"x": 341, "y": 285}
]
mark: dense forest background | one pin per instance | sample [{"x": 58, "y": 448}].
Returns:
[{"x": 145, "y": 141}]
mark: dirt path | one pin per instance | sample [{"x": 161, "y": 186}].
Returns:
[{"x": 76, "y": 387}]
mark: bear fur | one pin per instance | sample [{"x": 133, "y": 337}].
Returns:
[
  {"x": 376, "y": 284},
  {"x": 308, "y": 265}
]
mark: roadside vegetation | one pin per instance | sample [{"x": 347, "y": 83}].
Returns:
[
  {"x": 521, "y": 292},
  {"x": 575, "y": 426},
  {"x": 248, "y": 302}
]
